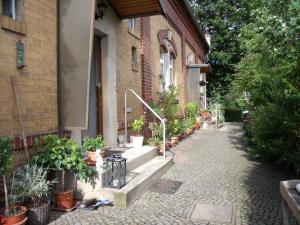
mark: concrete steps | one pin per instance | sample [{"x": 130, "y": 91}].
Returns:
[
  {"x": 145, "y": 176},
  {"x": 144, "y": 168}
]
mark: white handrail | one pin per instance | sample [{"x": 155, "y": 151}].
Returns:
[{"x": 145, "y": 104}]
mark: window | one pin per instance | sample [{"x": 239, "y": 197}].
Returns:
[
  {"x": 132, "y": 24},
  {"x": 133, "y": 56},
  {"x": 9, "y": 8},
  {"x": 166, "y": 69},
  {"x": 12, "y": 8},
  {"x": 134, "y": 61}
]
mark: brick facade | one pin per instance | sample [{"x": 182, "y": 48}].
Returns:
[
  {"x": 128, "y": 75},
  {"x": 37, "y": 82}
]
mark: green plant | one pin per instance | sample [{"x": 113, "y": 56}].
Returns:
[
  {"x": 33, "y": 186},
  {"x": 187, "y": 123},
  {"x": 5, "y": 169},
  {"x": 138, "y": 124},
  {"x": 173, "y": 128},
  {"x": 62, "y": 154},
  {"x": 92, "y": 144},
  {"x": 191, "y": 110},
  {"x": 168, "y": 103},
  {"x": 156, "y": 131},
  {"x": 153, "y": 141}
]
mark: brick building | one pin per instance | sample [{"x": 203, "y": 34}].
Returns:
[
  {"x": 134, "y": 45},
  {"x": 78, "y": 67}
]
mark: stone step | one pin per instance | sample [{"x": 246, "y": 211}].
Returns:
[
  {"x": 147, "y": 175},
  {"x": 94, "y": 188},
  {"x": 137, "y": 157}
]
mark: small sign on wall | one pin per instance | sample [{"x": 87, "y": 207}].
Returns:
[{"x": 20, "y": 54}]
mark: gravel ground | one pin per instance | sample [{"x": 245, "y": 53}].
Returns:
[{"x": 211, "y": 167}]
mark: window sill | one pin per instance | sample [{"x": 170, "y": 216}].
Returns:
[
  {"x": 19, "y": 27},
  {"x": 135, "y": 67},
  {"x": 133, "y": 33}
]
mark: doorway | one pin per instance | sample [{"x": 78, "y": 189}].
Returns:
[{"x": 96, "y": 94}]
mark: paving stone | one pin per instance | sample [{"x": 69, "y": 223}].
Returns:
[{"x": 214, "y": 168}]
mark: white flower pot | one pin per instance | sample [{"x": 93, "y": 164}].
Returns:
[{"x": 137, "y": 141}]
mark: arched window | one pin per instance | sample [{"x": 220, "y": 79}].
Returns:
[{"x": 166, "y": 69}]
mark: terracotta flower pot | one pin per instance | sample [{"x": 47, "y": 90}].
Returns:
[
  {"x": 39, "y": 215},
  {"x": 15, "y": 219},
  {"x": 64, "y": 200},
  {"x": 197, "y": 126},
  {"x": 173, "y": 141},
  {"x": 161, "y": 145},
  {"x": 185, "y": 134},
  {"x": 91, "y": 156}
]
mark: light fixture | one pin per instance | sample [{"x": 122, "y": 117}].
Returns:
[{"x": 100, "y": 10}]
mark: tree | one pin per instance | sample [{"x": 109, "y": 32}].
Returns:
[
  {"x": 224, "y": 19},
  {"x": 269, "y": 75}
]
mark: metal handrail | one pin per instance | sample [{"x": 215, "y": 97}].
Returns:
[{"x": 145, "y": 104}]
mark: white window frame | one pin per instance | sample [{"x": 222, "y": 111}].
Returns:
[
  {"x": 132, "y": 24},
  {"x": 166, "y": 69}
]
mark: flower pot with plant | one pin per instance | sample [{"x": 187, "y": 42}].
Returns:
[
  {"x": 63, "y": 155},
  {"x": 90, "y": 145},
  {"x": 12, "y": 213},
  {"x": 35, "y": 191},
  {"x": 174, "y": 131},
  {"x": 137, "y": 126}
]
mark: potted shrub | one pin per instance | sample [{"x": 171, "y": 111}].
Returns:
[
  {"x": 175, "y": 131},
  {"x": 65, "y": 156},
  {"x": 90, "y": 145},
  {"x": 153, "y": 141},
  {"x": 32, "y": 180},
  {"x": 137, "y": 126},
  {"x": 12, "y": 213}
]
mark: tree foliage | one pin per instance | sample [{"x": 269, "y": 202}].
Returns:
[
  {"x": 268, "y": 79},
  {"x": 224, "y": 20}
]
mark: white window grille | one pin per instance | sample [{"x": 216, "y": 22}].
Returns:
[{"x": 132, "y": 24}]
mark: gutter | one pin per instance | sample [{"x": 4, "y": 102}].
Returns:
[{"x": 189, "y": 8}]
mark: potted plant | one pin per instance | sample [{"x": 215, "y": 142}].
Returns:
[
  {"x": 137, "y": 126},
  {"x": 175, "y": 131},
  {"x": 65, "y": 156},
  {"x": 90, "y": 145},
  {"x": 35, "y": 191},
  {"x": 153, "y": 141},
  {"x": 12, "y": 213}
]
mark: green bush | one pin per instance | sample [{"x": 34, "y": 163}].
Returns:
[
  {"x": 275, "y": 132},
  {"x": 62, "y": 154},
  {"x": 233, "y": 115}
]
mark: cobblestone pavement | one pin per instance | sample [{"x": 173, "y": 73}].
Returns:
[{"x": 214, "y": 169}]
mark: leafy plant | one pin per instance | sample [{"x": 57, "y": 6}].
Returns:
[
  {"x": 191, "y": 110},
  {"x": 156, "y": 131},
  {"x": 5, "y": 168},
  {"x": 168, "y": 103},
  {"x": 33, "y": 183},
  {"x": 92, "y": 144},
  {"x": 62, "y": 154},
  {"x": 173, "y": 128},
  {"x": 138, "y": 124}
]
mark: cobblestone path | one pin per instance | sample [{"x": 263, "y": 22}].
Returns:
[{"x": 214, "y": 169}]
